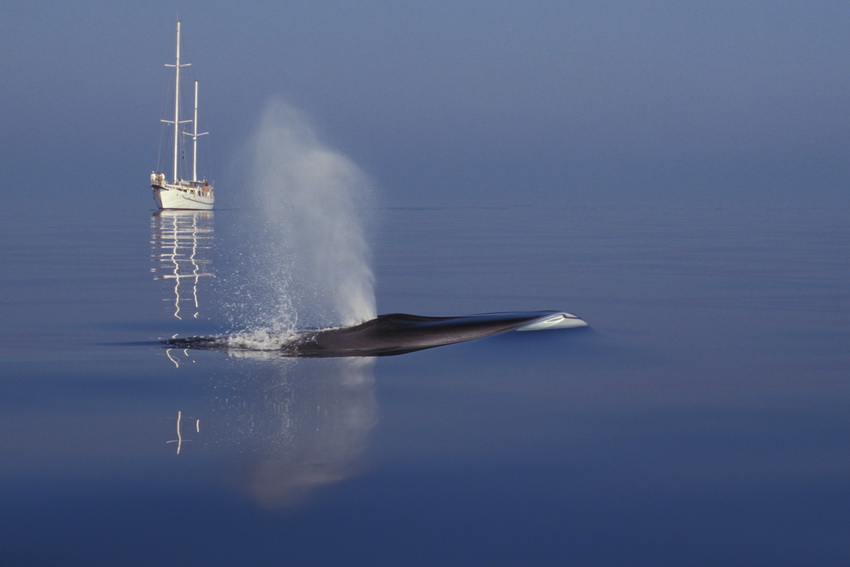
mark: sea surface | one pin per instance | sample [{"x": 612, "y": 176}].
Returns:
[{"x": 703, "y": 417}]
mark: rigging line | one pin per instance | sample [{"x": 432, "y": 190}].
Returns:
[{"x": 167, "y": 93}]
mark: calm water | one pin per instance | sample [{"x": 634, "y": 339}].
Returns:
[{"x": 702, "y": 419}]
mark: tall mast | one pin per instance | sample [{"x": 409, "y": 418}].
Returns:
[
  {"x": 177, "y": 66},
  {"x": 176, "y": 104}
]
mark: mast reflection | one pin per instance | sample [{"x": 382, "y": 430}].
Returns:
[
  {"x": 196, "y": 424},
  {"x": 180, "y": 244}
]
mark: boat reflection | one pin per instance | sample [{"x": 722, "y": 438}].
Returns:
[
  {"x": 278, "y": 429},
  {"x": 177, "y": 356},
  {"x": 180, "y": 245},
  {"x": 180, "y": 426}
]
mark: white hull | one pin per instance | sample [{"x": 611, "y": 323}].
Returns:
[{"x": 171, "y": 197}]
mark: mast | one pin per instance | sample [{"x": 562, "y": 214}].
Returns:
[
  {"x": 176, "y": 122},
  {"x": 195, "y": 135},
  {"x": 176, "y": 104}
]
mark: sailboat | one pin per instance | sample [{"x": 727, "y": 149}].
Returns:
[{"x": 194, "y": 194}]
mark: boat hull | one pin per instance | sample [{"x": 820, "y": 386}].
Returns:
[{"x": 178, "y": 198}]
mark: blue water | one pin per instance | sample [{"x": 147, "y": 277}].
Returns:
[{"x": 701, "y": 419}]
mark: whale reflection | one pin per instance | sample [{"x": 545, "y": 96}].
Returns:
[{"x": 180, "y": 243}]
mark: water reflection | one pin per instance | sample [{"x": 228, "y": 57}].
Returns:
[
  {"x": 176, "y": 356},
  {"x": 180, "y": 243},
  {"x": 279, "y": 428},
  {"x": 309, "y": 431},
  {"x": 181, "y": 424},
  {"x": 283, "y": 428}
]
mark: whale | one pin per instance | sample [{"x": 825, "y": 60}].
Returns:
[{"x": 396, "y": 333}]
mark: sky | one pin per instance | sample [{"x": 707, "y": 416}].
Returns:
[{"x": 496, "y": 103}]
